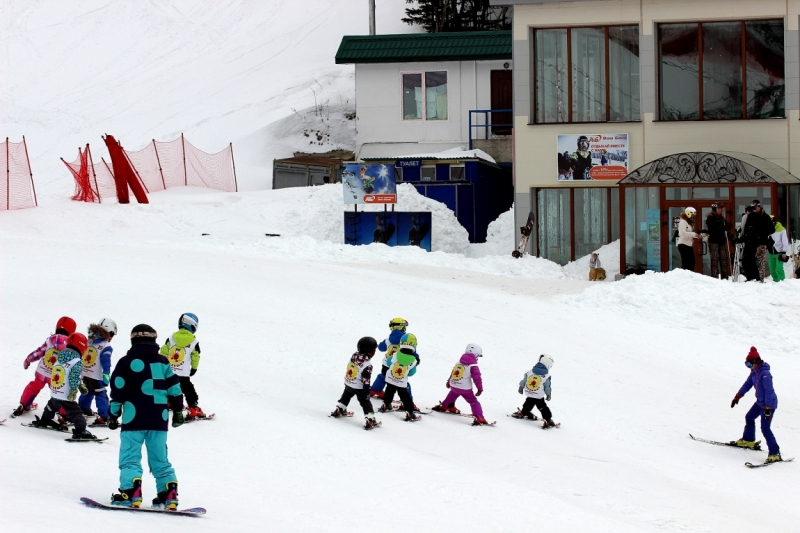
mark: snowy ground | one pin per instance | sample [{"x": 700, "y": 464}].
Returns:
[{"x": 638, "y": 365}]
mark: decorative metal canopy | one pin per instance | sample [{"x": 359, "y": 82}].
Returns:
[{"x": 698, "y": 168}]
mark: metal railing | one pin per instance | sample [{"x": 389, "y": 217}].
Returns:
[{"x": 487, "y": 124}]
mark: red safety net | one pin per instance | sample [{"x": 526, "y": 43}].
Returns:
[
  {"x": 93, "y": 181},
  {"x": 17, "y": 190}
]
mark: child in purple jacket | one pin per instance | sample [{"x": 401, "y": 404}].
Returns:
[
  {"x": 464, "y": 374},
  {"x": 766, "y": 403}
]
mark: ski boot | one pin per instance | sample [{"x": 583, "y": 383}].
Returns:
[
  {"x": 376, "y": 394},
  {"x": 442, "y": 409},
  {"x": 167, "y": 499},
  {"x": 549, "y": 424},
  {"x": 752, "y": 445},
  {"x": 196, "y": 412},
  {"x": 480, "y": 422},
  {"x": 131, "y": 497},
  {"x": 18, "y": 411},
  {"x": 415, "y": 409},
  {"x": 87, "y": 411},
  {"x": 370, "y": 422},
  {"x": 82, "y": 435},
  {"x": 774, "y": 458},
  {"x": 338, "y": 412},
  {"x": 384, "y": 409},
  {"x": 99, "y": 422},
  {"x": 411, "y": 417},
  {"x": 526, "y": 416}
]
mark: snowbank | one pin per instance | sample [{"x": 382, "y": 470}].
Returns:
[{"x": 609, "y": 259}]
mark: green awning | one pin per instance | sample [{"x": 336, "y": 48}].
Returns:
[{"x": 425, "y": 47}]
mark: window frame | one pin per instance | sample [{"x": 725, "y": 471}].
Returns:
[
  {"x": 422, "y": 167},
  {"x": 463, "y": 167},
  {"x": 424, "y": 96},
  {"x": 701, "y": 111},
  {"x": 568, "y": 29}
]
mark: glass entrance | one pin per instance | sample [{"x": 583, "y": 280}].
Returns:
[{"x": 701, "y": 248}]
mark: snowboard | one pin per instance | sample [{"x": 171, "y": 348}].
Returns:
[
  {"x": 728, "y": 444},
  {"x": 526, "y": 231},
  {"x": 34, "y": 406},
  {"x": 759, "y": 465},
  {"x": 194, "y": 511},
  {"x": 87, "y": 440}
]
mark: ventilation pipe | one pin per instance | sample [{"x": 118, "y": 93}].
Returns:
[{"x": 372, "y": 17}]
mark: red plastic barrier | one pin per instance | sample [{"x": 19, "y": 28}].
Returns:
[{"x": 124, "y": 174}]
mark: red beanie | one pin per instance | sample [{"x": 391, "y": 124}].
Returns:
[{"x": 753, "y": 355}]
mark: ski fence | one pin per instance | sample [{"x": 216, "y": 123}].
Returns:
[{"x": 18, "y": 191}]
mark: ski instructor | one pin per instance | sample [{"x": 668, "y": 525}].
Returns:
[
  {"x": 143, "y": 390},
  {"x": 765, "y": 406}
]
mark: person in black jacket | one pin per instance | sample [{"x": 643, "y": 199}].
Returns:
[
  {"x": 143, "y": 390},
  {"x": 357, "y": 382},
  {"x": 718, "y": 242},
  {"x": 758, "y": 227}
]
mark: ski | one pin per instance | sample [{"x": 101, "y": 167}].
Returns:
[
  {"x": 186, "y": 420},
  {"x": 33, "y": 407},
  {"x": 526, "y": 233},
  {"x": 376, "y": 425},
  {"x": 349, "y": 413},
  {"x": 731, "y": 444},
  {"x": 194, "y": 511},
  {"x": 486, "y": 424},
  {"x": 451, "y": 413},
  {"x": 759, "y": 465},
  {"x": 534, "y": 419},
  {"x": 548, "y": 426},
  {"x": 31, "y": 425},
  {"x": 2, "y": 421},
  {"x": 86, "y": 440}
]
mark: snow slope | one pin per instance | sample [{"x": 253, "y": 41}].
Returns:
[{"x": 638, "y": 365}]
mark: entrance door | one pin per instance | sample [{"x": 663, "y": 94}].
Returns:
[
  {"x": 502, "y": 98},
  {"x": 702, "y": 257}
]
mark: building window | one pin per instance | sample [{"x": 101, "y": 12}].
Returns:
[
  {"x": 554, "y": 224},
  {"x": 398, "y": 174},
  {"x": 591, "y": 219},
  {"x": 456, "y": 173},
  {"x": 428, "y": 173},
  {"x": 721, "y": 70},
  {"x": 587, "y": 74},
  {"x": 425, "y": 95}
]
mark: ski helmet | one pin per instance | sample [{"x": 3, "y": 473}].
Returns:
[
  {"x": 408, "y": 343},
  {"x": 79, "y": 342},
  {"x": 188, "y": 321},
  {"x": 690, "y": 212},
  {"x": 546, "y": 360},
  {"x": 66, "y": 326},
  {"x": 367, "y": 345},
  {"x": 143, "y": 334},
  {"x": 474, "y": 349},
  {"x": 399, "y": 324},
  {"x": 109, "y": 325}
]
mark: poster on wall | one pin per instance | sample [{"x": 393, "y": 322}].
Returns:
[
  {"x": 599, "y": 156},
  {"x": 369, "y": 184},
  {"x": 390, "y": 228}
]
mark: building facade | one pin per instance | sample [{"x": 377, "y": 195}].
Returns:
[{"x": 700, "y": 100}]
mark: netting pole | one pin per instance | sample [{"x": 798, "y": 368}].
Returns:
[
  {"x": 134, "y": 170},
  {"x": 185, "y": 175},
  {"x": 91, "y": 162},
  {"x": 8, "y": 180},
  {"x": 30, "y": 170},
  {"x": 235, "y": 183},
  {"x": 106, "y": 164},
  {"x": 164, "y": 183}
]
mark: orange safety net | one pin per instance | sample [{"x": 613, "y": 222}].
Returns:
[{"x": 16, "y": 186}]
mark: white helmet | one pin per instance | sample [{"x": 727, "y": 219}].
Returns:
[
  {"x": 474, "y": 349},
  {"x": 109, "y": 325},
  {"x": 546, "y": 360},
  {"x": 690, "y": 212}
]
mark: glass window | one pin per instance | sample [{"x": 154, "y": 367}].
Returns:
[
  {"x": 677, "y": 193},
  {"x": 429, "y": 173},
  {"x": 794, "y": 212},
  {"x": 552, "y": 81},
  {"x": 398, "y": 173},
  {"x": 436, "y": 95},
  {"x": 765, "y": 74},
  {"x": 742, "y": 67},
  {"x": 710, "y": 193},
  {"x": 588, "y": 64},
  {"x": 554, "y": 226},
  {"x": 456, "y": 173},
  {"x": 412, "y": 96},
  {"x": 744, "y": 195},
  {"x": 642, "y": 240},
  {"x": 623, "y": 73},
  {"x": 591, "y": 220},
  {"x": 587, "y": 93},
  {"x": 614, "y": 214},
  {"x": 679, "y": 87}
]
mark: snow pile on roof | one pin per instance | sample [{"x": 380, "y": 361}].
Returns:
[{"x": 453, "y": 153}]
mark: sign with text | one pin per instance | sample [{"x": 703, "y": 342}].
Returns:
[
  {"x": 596, "y": 156},
  {"x": 369, "y": 184}
]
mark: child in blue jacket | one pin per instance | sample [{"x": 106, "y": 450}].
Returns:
[
  {"x": 760, "y": 378},
  {"x": 97, "y": 370}
]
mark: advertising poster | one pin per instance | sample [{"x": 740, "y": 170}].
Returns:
[
  {"x": 369, "y": 184},
  {"x": 602, "y": 156},
  {"x": 390, "y": 228},
  {"x": 414, "y": 229}
]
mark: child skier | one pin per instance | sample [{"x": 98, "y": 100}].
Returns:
[
  {"x": 536, "y": 387},
  {"x": 47, "y": 355},
  {"x": 389, "y": 345},
  {"x": 402, "y": 364},
  {"x": 96, "y": 370},
  {"x": 356, "y": 381},
  {"x": 65, "y": 382},
  {"x": 460, "y": 384},
  {"x": 765, "y": 406},
  {"x": 143, "y": 389},
  {"x": 183, "y": 351}
]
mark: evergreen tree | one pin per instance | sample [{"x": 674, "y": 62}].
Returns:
[{"x": 457, "y": 15}]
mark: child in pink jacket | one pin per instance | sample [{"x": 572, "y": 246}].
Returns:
[{"x": 464, "y": 374}]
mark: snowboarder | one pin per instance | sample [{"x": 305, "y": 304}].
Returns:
[
  {"x": 765, "y": 406},
  {"x": 402, "y": 365},
  {"x": 389, "y": 345},
  {"x": 536, "y": 387},
  {"x": 65, "y": 382},
  {"x": 47, "y": 355},
  {"x": 463, "y": 375},
  {"x": 357, "y": 380},
  {"x": 183, "y": 351},
  {"x": 143, "y": 390},
  {"x": 583, "y": 159},
  {"x": 96, "y": 370}
]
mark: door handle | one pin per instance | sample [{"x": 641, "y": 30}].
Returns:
[{"x": 705, "y": 248}]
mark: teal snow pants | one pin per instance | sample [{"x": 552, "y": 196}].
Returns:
[{"x": 130, "y": 458}]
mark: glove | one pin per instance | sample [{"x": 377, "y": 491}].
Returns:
[
  {"x": 447, "y": 384},
  {"x": 105, "y": 380},
  {"x": 548, "y": 398},
  {"x": 520, "y": 390},
  {"x": 113, "y": 423},
  {"x": 72, "y": 396},
  {"x": 768, "y": 412},
  {"x": 736, "y": 400},
  {"x": 177, "y": 419},
  {"x": 82, "y": 387},
  {"x": 26, "y": 364},
  {"x": 193, "y": 372}
]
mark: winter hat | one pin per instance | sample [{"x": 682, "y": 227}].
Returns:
[
  {"x": 143, "y": 334},
  {"x": 474, "y": 349},
  {"x": 753, "y": 356}
]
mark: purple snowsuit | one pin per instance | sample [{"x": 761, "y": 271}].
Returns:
[{"x": 467, "y": 394}]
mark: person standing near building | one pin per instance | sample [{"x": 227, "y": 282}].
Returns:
[
  {"x": 686, "y": 237},
  {"x": 756, "y": 228},
  {"x": 778, "y": 249},
  {"x": 718, "y": 242}
]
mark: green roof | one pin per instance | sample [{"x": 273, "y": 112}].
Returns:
[{"x": 420, "y": 47}]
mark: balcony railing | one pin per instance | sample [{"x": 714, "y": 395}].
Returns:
[{"x": 489, "y": 122}]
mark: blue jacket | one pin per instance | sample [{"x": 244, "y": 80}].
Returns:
[
  {"x": 144, "y": 388},
  {"x": 105, "y": 359},
  {"x": 761, "y": 379},
  {"x": 540, "y": 370}
]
